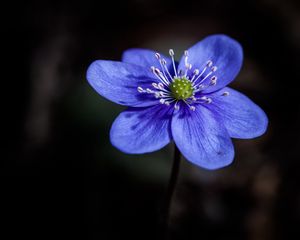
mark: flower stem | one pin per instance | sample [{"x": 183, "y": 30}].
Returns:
[{"x": 170, "y": 192}]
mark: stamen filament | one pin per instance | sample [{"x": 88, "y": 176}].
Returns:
[
  {"x": 163, "y": 69},
  {"x": 171, "y": 52},
  {"x": 207, "y": 65}
]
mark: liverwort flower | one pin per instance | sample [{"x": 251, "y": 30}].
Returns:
[{"x": 187, "y": 102}]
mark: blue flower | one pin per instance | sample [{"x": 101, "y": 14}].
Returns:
[{"x": 187, "y": 102}]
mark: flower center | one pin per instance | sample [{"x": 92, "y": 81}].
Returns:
[
  {"x": 184, "y": 85},
  {"x": 181, "y": 88}
]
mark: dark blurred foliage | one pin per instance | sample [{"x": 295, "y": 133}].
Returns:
[{"x": 61, "y": 178}]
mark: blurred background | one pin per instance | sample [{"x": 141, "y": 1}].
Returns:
[{"x": 60, "y": 176}]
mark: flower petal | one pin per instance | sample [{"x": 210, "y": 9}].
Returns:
[
  {"x": 201, "y": 138},
  {"x": 145, "y": 58},
  {"x": 118, "y": 82},
  {"x": 141, "y": 130},
  {"x": 223, "y": 51},
  {"x": 242, "y": 118}
]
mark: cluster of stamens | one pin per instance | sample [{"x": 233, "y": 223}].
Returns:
[{"x": 183, "y": 85}]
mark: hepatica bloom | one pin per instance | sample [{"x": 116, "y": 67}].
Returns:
[{"x": 187, "y": 102}]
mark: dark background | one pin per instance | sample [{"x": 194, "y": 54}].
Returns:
[{"x": 61, "y": 178}]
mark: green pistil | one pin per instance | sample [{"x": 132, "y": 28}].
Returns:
[{"x": 181, "y": 88}]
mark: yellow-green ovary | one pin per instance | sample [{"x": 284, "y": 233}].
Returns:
[{"x": 181, "y": 88}]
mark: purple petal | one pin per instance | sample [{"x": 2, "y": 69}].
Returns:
[
  {"x": 118, "y": 82},
  {"x": 201, "y": 138},
  {"x": 223, "y": 51},
  {"x": 141, "y": 130},
  {"x": 145, "y": 58},
  {"x": 242, "y": 118}
]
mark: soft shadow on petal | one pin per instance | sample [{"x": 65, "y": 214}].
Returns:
[
  {"x": 242, "y": 117},
  {"x": 201, "y": 138},
  {"x": 118, "y": 82},
  {"x": 141, "y": 130},
  {"x": 223, "y": 51}
]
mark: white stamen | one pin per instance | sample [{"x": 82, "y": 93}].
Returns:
[
  {"x": 209, "y": 63},
  {"x": 162, "y": 63},
  {"x": 157, "y": 95},
  {"x": 198, "y": 88},
  {"x": 213, "y": 80},
  {"x": 155, "y": 85},
  {"x": 209, "y": 101},
  {"x": 188, "y": 67},
  {"x": 148, "y": 90},
  {"x": 162, "y": 101},
  {"x": 164, "y": 66},
  {"x": 157, "y": 55},
  {"x": 160, "y": 86},
  {"x": 192, "y": 108},
  {"x": 158, "y": 73},
  {"x": 206, "y": 99},
  {"x": 195, "y": 73},
  {"x": 140, "y": 89},
  {"x": 214, "y": 68},
  {"x": 210, "y": 73},
  {"x": 171, "y": 52},
  {"x": 225, "y": 94}
]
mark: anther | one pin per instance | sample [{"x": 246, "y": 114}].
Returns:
[
  {"x": 209, "y": 63},
  {"x": 160, "y": 86},
  {"x": 196, "y": 72},
  {"x": 157, "y": 55},
  {"x": 162, "y": 101},
  {"x": 156, "y": 70},
  {"x": 208, "y": 100},
  {"x": 192, "y": 108},
  {"x": 155, "y": 85},
  {"x": 188, "y": 66},
  {"x": 148, "y": 90},
  {"x": 140, "y": 89},
  {"x": 176, "y": 107},
  {"x": 214, "y": 68},
  {"x": 213, "y": 80},
  {"x": 225, "y": 94},
  {"x": 171, "y": 52},
  {"x": 163, "y": 61},
  {"x": 186, "y": 53}
]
